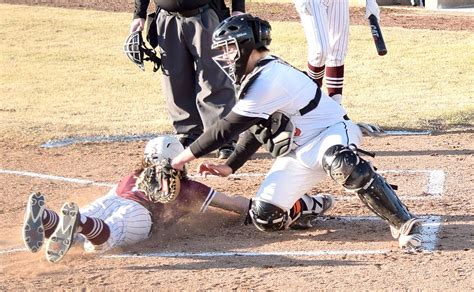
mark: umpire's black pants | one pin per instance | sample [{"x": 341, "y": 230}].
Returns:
[{"x": 197, "y": 91}]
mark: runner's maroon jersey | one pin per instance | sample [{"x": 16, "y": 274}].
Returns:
[{"x": 191, "y": 197}]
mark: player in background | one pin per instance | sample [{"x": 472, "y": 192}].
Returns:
[
  {"x": 306, "y": 131},
  {"x": 124, "y": 216},
  {"x": 196, "y": 92},
  {"x": 326, "y": 26}
]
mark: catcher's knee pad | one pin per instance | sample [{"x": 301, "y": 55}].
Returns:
[
  {"x": 267, "y": 217},
  {"x": 346, "y": 167}
]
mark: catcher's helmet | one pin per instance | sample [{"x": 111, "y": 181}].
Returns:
[
  {"x": 135, "y": 49},
  {"x": 236, "y": 37},
  {"x": 161, "y": 148}
]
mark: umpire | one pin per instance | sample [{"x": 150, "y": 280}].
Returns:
[{"x": 197, "y": 92}]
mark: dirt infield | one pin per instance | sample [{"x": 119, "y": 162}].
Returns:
[
  {"x": 350, "y": 249},
  {"x": 346, "y": 251}
]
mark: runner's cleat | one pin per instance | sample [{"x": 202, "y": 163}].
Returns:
[
  {"x": 33, "y": 229},
  {"x": 62, "y": 239}
]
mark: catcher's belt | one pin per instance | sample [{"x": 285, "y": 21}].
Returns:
[{"x": 160, "y": 182}]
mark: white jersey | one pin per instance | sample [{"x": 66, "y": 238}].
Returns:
[{"x": 280, "y": 87}]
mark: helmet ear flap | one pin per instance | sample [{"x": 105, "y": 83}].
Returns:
[
  {"x": 258, "y": 32},
  {"x": 261, "y": 30},
  {"x": 265, "y": 34}
]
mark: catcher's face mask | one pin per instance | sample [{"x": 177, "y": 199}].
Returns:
[
  {"x": 237, "y": 36},
  {"x": 228, "y": 58},
  {"x": 132, "y": 48},
  {"x": 135, "y": 49}
]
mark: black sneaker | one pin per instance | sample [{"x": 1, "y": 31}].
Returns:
[
  {"x": 225, "y": 151},
  {"x": 325, "y": 202},
  {"x": 186, "y": 141}
]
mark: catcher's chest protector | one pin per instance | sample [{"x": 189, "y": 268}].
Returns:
[{"x": 277, "y": 133}]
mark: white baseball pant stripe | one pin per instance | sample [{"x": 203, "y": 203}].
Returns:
[{"x": 129, "y": 222}]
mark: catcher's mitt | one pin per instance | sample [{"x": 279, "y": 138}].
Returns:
[{"x": 160, "y": 182}]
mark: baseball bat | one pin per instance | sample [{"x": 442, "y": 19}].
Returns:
[{"x": 377, "y": 35}]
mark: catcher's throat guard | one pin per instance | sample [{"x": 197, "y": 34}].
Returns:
[
  {"x": 160, "y": 182},
  {"x": 138, "y": 52}
]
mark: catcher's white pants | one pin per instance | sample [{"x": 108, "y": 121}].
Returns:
[
  {"x": 326, "y": 26},
  {"x": 129, "y": 222},
  {"x": 295, "y": 174}
]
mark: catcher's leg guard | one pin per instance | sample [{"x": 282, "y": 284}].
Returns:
[
  {"x": 347, "y": 168},
  {"x": 268, "y": 217}
]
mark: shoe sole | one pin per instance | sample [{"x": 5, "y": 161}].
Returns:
[
  {"x": 61, "y": 240},
  {"x": 394, "y": 232},
  {"x": 33, "y": 230}
]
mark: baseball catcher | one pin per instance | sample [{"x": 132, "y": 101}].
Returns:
[
  {"x": 125, "y": 215},
  {"x": 307, "y": 132}
]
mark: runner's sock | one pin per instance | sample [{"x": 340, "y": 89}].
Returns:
[
  {"x": 50, "y": 222},
  {"x": 95, "y": 230}
]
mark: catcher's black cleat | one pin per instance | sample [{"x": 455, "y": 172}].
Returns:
[
  {"x": 323, "y": 203},
  {"x": 33, "y": 229},
  {"x": 62, "y": 239}
]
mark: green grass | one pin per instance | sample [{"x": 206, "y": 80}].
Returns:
[{"x": 63, "y": 74}]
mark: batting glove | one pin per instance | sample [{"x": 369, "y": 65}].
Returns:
[{"x": 371, "y": 7}]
